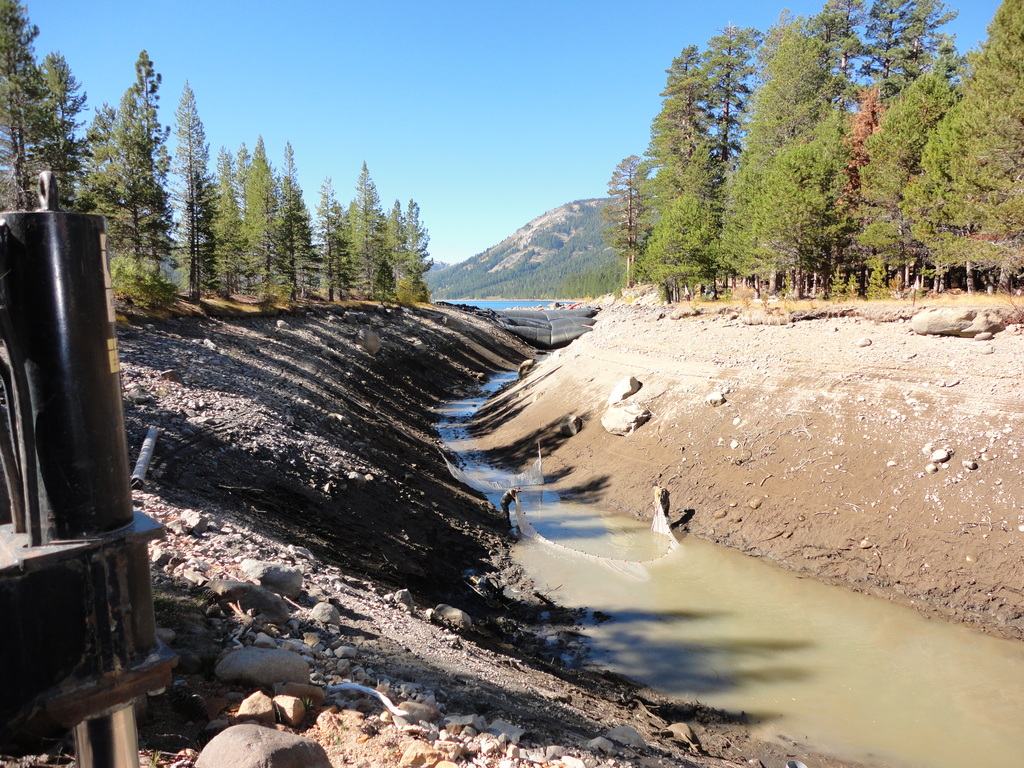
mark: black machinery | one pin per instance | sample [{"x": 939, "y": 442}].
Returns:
[{"x": 79, "y": 639}]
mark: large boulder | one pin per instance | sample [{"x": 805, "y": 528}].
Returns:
[
  {"x": 967, "y": 323},
  {"x": 253, "y": 746},
  {"x": 283, "y": 579},
  {"x": 628, "y": 387},
  {"x": 625, "y": 418}
]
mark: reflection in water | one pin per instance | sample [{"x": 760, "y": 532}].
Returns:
[{"x": 850, "y": 674}]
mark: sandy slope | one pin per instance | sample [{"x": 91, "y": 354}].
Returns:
[{"x": 818, "y": 458}]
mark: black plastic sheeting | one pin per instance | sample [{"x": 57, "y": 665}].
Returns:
[{"x": 544, "y": 329}]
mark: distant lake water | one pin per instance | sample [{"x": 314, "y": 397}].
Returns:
[{"x": 510, "y": 304}]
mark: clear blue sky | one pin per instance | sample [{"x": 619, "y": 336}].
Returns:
[{"x": 487, "y": 112}]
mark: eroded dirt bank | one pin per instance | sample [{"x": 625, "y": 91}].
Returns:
[
  {"x": 818, "y": 458},
  {"x": 307, "y": 440}
]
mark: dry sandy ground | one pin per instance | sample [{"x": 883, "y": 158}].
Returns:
[{"x": 817, "y": 459}]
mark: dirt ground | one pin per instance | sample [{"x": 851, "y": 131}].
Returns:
[
  {"x": 818, "y": 458},
  {"x": 296, "y": 431}
]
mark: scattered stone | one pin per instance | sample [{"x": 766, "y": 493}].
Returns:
[
  {"x": 626, "y": 388},
  {"x": 864, "y": 342},
  {"x": 627, "y": 735},
  {"x": 570, "y": 425},
  {"x": 290, "y": 710},
  {"x": 625, "y": 418},
  {"x": 940, "y": 455},
  {"x": 601, "y": 744},
  {"x": 931, "y": 469},
  {"x": 404, "y": 598},
  {"x": 970, "y": 465},
  {"x": 454, "y": 617},
  {"x": 986, "y": 350},
  {"x": 756, "y": 502},
  {"x": 253, "y": 746},
  {"x": 984, "y": 336},
  {"x": 262, "y": 667},
  {"x": 369, "y": 340},
  {"x": 282, "y": 579},
  {"x": 282, "y": 324},
  {"x": 249, "y": 597},
  {"x": 715, "y": 399},
  {"x": 419, "y": 712},
  {"x": 865, "y": 544},
  {"x": 345, "y": 652},
  {"x": 419, "y": 754},
  {"x": 257, "y": 706},
  {"x": 326, "y": 613},
  {"x": 314, "y": 694},
  {"x": 525, "y": 367},
  {"x": 511, "y": 732}
]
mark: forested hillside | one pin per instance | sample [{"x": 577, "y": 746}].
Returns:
[
  {"x": 855, "y": 151},
  {"x": 557, "y": 255},
  {"x": 177, "y": 221}
]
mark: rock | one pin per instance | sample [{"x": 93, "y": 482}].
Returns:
[
  {"x": 282, "y": 579},
  {"x": 253, "y": 746},
  {"x": 931, "y": 469},
  {"x": 250, "y": 597},
  {"x": 263, "y": 640},
  {"x": 172, "y": 375},
  {"x": 525, "y": 367},
  {"x": 262, "y": 667},
  {"x": 966, "y": 323},
  {"x": 419, "y": 754},
  {"x": 404, "y": 598},
  {"x": 314, "y": 694},
  {"x": 940, "y": 455},
  {"x": 569, "y": 761},
  {"x": 570, "y": 425},
  {"x": 601, "y": 744},
  {"x": 628, "y": 735},
  {"x": 290, "y": 709},
  {"x": 282, "y": 324},
  {"x": 420, "y": 712},
  {"x": 511, "y": 732},
  {"x": 257, "y": 706},
  {"x": 984, "y": 336},
  {"x": 369, "y": 340},
  {"x": 970, "y": 465},
  {"x": 684, "y": 733},
  {"x": 345, "y": 652},
  {"x": 455, "y": 724},
  {"x": 715, "y": 399},
  {"x": 864, "y": 342},
  {"x": 624, "y": 418},
  {"x": 454, "y": 617},
  {"x": 755, "y": 502},
  {"x": 326, "y": 613},
  {"x": 628, "y": 387}
]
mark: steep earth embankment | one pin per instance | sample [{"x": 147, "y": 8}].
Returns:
[
  {"x": 819, "y": 456},
  {"x": 302, "y": 447}
]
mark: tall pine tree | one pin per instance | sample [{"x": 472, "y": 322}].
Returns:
[
  {"x": 233, "y": 268},
  {"x": 365, "y": 220},
  {"x": 331, "y": 241},
  {"x": 194, "y": 197},
  {"x": 21, "y": 96},
  {"x": 128, "y": 173},
  {"x": 295, "y": 232}
]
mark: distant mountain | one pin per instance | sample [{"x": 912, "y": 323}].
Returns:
[{"x": 556, "y": 256}]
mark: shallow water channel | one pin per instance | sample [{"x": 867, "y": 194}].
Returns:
[{"x": 855, "y": 676}]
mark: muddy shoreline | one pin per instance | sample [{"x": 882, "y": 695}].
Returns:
[{"x": 817, "y": 458}]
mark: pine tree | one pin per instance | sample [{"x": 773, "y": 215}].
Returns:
[
  {"x": 365, "y": 219},
  {"x": 729, "y": 69},
  {"x": 194, "y": 196},
  {"x": 60, "y": 145},
  {"x": 411, "y": 284},
  {"x": 627, "y": 212},
  {"x": 230, "y": 256},
  {"x": 260, "y": 216},
  {"x": 128, "y": 173},
  {"x": 295, "y": 232},
  {"x": 967, "y": 201},
  {"x": 331, "y": 240},
  {"x": 21, "y": 95},
  {"x": 901, "y": 40},
  {"x": 680, "y": 131}
]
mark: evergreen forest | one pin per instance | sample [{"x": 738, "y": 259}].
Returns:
[
  {"x": 179, "y": 220},
  {"x": 852, "y": 153}
]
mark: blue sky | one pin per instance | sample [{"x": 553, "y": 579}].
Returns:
[{"x": 486, "y": 113}]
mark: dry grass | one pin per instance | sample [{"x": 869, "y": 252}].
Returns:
[{"x": 766, "y": 316}]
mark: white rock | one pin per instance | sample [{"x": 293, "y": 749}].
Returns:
[
  {"x": 715, "y": 399},
  {"x": 628, "y": 387},
  {"x": 628, "y": 735}
]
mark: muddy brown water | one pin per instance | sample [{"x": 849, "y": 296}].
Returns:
[{"x": 848, "y": 674}]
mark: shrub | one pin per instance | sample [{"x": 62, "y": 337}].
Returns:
[{"x": 138, "y": 284}]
